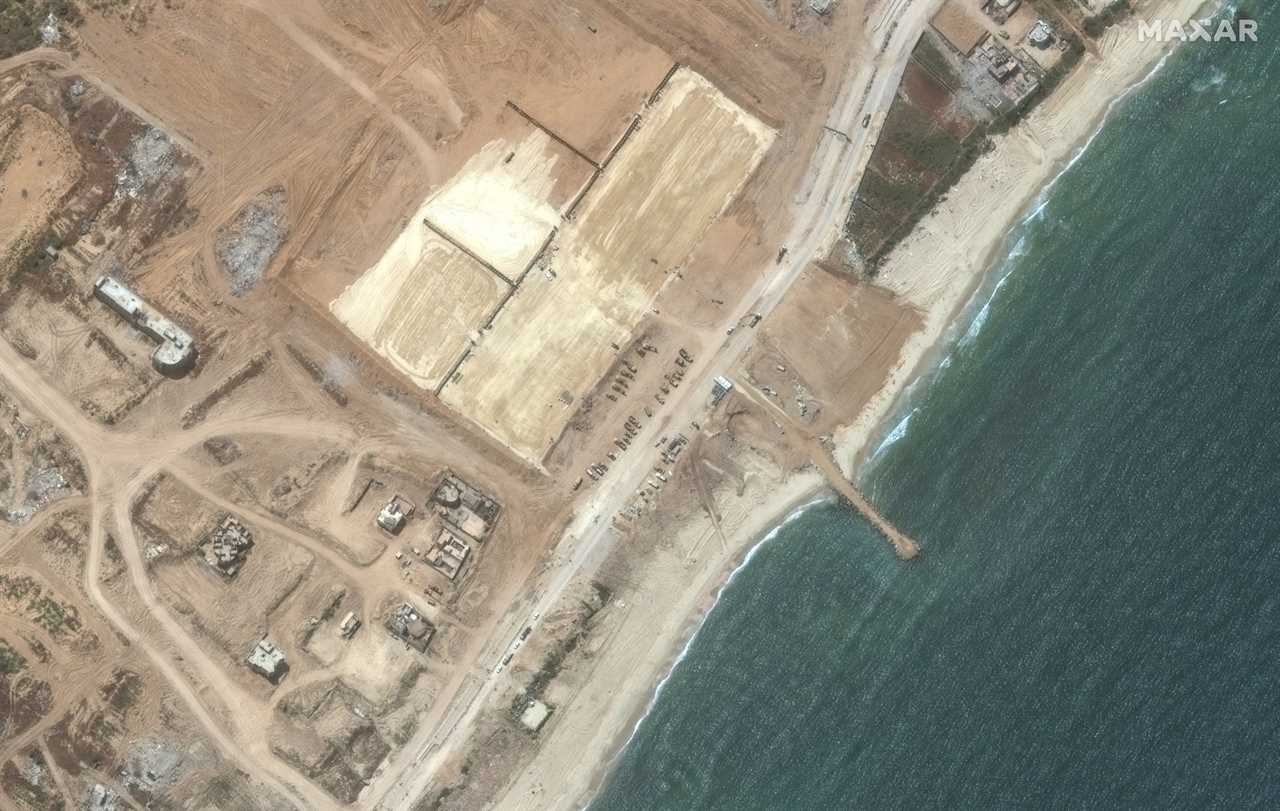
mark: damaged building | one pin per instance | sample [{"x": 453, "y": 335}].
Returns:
[
  {"x": 176, "y": 353},
  {"x": 469, "y": 510},
  {"x": 226, "y": 546},
  {"x": 407, "y": 625},
  {"x": 448, "y": 554}
]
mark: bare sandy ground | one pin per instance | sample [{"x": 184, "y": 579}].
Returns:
[
  {"x": 940, "y": 265},
  {"x": 935, "y": 271},
  {"x": 678, "y": 586},
  {"x": 686, "y": 163}
]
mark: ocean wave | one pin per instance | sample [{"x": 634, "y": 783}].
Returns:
[
  {"x": 1010, "y": 262},
  {"x": 979, "y": 320},
  {"x": 898, "y": 432},
  {"x": 1041, "y": 203},
  {"x": 1042, "y": 199},
  {"x": 1217, "y": 78}
]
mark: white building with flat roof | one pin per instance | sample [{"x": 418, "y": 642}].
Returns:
[
  {"x": 176, "y": 353},
  {"x": 268, "y": 661}
]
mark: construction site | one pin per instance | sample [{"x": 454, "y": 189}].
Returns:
[{"x": 364, "y": 366}]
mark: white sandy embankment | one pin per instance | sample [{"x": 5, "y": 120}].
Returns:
[{"x": 940, "y": 265}]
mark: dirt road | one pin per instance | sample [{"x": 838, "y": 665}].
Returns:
[
  {"x": 827, "y": 190},
  {"x": 112, "y": 461},
  {"x": 426, "y": 153}
]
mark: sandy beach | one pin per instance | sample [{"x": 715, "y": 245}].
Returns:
[
  {"x": 646, "y": 634},
  {"x": 942, "y": 263},
  {"x": 935, "y": 272}
]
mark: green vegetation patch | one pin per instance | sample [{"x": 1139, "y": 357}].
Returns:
[
  {"x": 17, "y": 586},
  {"x": 55, "y": 617},
  {"x": 10, "y": 660},
  {"x": 869, "y": 229},
  {"x": 887, "y": 196},
  {"x": 934, "y": 59}
]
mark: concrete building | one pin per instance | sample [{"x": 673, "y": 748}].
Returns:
[
  {"x": 407, "y": 625},
  {"x": 349, "y": 625},
  {"x": 392, "y": 517},
  {"x": 535, "y": 715},
  {"x": 468, "y": 509},
  {"x": 176, "y": 353},
  {"x": 268, "y": 661},
  {"x": 1001, "y": 10},
  {"x": 1041, "y": 36},
  {"x": 102, "y": 798},
  {"x": 448, "y": 554}
]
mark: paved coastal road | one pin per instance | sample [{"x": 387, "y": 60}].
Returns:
[{"x": 821, "y": 205}]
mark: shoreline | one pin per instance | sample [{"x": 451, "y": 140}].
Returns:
[
  {"x": 654, "y": 629},
  {"x": 1096, "y": 88},
  {"x": 819, "y": 493},
  {"x": 941, "y": 270}
]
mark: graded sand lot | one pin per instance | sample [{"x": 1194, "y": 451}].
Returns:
[
  {"x": 416, "y": 306},
  {"x": 556, "y": 336},
  {"x": 507, "y": 199}
]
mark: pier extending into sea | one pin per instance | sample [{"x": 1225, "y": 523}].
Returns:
[{"x": 903, "y": 545}]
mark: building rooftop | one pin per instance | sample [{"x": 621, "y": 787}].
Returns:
[
  {"x": 349, "y": 625},
  {"x": 407, "y": 625},
  {"x": 226, "y": 545},
  {"x": 268, "y": 661},
  {"x": 449, "y": 554},
  {"x": 392, "y": 517},
  {"x": 535, "y": 715},
  {"x": 466, "y": 508},
  {"x": 720, "y": 386},
  {"x": 176, "y": 353}
]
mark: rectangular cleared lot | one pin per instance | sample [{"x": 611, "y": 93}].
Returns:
[
  {"x": 503, "y": 204},
  {"x": 417, "y": 305},
  {"x": 551, "y": 342}
]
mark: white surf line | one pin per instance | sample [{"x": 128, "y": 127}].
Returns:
[
  {"x": 772, "y": 534},
  {"x": 1040, "y": 201}
]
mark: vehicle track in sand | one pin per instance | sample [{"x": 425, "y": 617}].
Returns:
[
  {"x": 119, "y": 463},
  {"x": 112, "y": 462},
  {"x": 425, "y": 152},
  {"x": 867, "y": 88}
]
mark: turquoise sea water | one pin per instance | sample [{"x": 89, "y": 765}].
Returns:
[{"x": 1094, "y": 475}]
